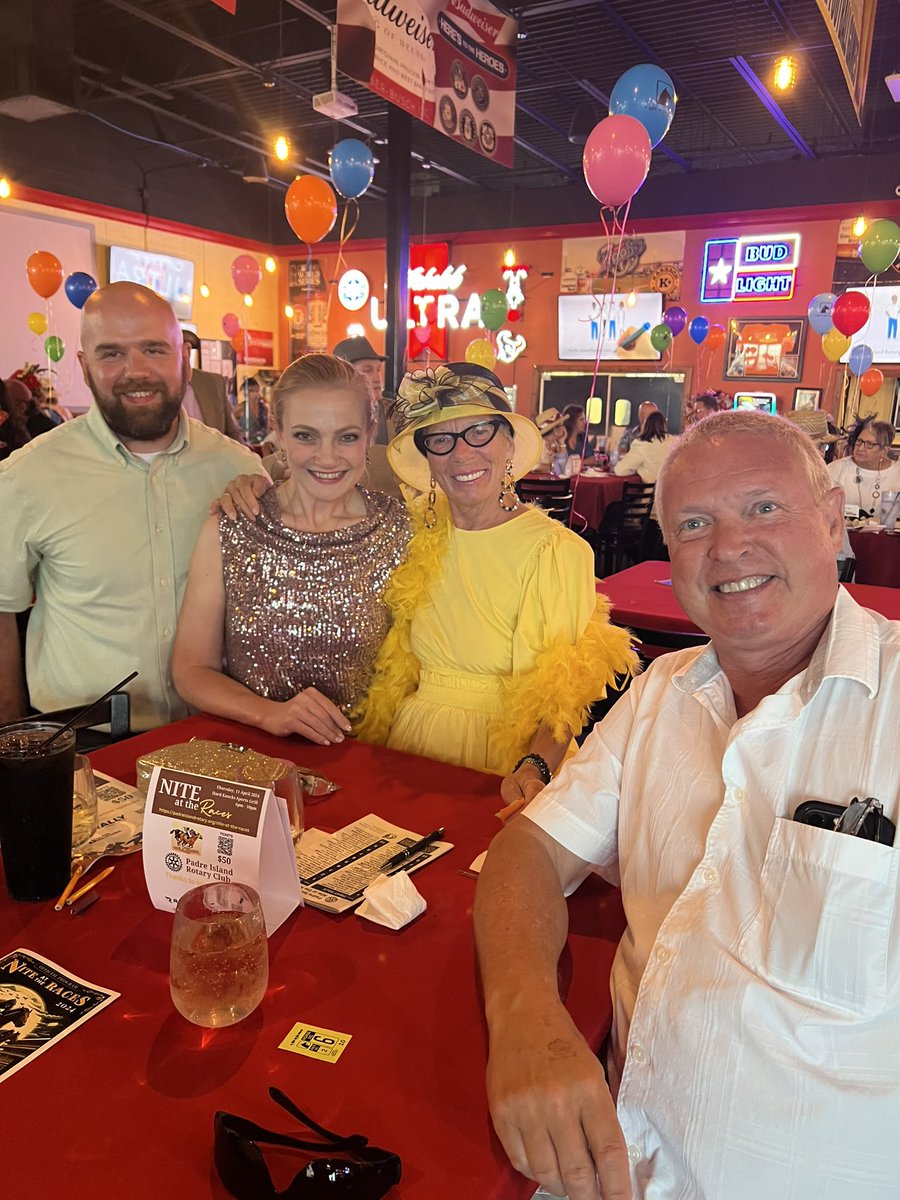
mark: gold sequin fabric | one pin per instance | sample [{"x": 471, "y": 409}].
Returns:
[{"x": 307, "y": 609}]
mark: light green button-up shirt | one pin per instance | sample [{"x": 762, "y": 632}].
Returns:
[{"x": 104, "y": 538}]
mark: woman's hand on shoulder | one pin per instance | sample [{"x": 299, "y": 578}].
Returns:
[
  {"x": 310, "y": 714},
  {"x": 241, "y": 496}
]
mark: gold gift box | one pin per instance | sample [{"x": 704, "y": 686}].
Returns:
[{"x": 227, "y": 760}]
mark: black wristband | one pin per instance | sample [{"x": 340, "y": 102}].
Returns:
[{"x": 537, "y": 761}]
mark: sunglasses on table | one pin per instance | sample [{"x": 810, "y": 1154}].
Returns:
[
  {"x": 472, "y": 435},
  {"x": 351, "y": 1170}
]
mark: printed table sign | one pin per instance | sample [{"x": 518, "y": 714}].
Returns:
[
  {"x": 327, "y": 1045},
  {"x": 202, "y": 830}
]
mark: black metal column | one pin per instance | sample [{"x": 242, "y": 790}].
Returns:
[{"x": 397, "y": 303}]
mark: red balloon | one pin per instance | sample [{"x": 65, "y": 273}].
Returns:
[
  {"x": 238, "y": 343},
  {"x": 230, "y": 324},
  {"x": 422, "y": 334},
  {"x": 715, "y": 337},
  {"x": 246, "y": 273},
  {"x": 45, "y": 273},
  {"x": 850, "y": 312},
  {"x": 310, "y": 206},
  {"x": 871, "y": 381}
]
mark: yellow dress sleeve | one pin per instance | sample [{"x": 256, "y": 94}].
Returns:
[{"x": 565, "y": 651}]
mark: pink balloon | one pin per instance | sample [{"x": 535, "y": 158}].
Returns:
[
  {"x": 231, "y": 325},
  {"x": 246, "y": 273},
  {"x": 616, "y": 159}
]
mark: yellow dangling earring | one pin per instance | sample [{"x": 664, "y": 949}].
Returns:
[
  {"x": 430, "y": 518},
  {"x": 508, "y": 499}
]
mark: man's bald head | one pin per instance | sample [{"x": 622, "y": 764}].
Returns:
[{"x": 127, "y": 300}]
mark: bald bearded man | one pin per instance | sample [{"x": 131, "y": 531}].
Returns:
[{"x": 101, "y": 515}]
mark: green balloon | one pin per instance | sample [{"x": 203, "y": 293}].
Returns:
[
  {"x": 494, "y": 309},
  {"x": 55, "y": 347},
  {"x": 661, "y": 338},
  {"x": 879, "y": 245}
]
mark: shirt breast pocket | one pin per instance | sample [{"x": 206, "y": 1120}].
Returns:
[{"x": 823, "y": 929}]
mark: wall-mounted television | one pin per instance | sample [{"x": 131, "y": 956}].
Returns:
[
  {"x": 623, "y": 321},
  {"x": 172, "y": 278}
]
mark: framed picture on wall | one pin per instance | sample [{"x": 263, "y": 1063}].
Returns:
[
  {"x": 764, "y": 349},
  {"x": 806, "y": 398}
]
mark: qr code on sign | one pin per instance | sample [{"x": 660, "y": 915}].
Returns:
[{"x": 226, "y": 843}]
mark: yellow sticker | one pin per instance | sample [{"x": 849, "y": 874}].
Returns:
[{"x": 325, "y": 1044}]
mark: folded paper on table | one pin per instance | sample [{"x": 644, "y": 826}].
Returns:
[
  {"x": 336, "y": 868},
  {"x": 392, "y": 901}
]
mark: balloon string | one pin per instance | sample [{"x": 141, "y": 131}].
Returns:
[
  {"x": 308, "y": 292},
  {"x": 344, "y": 236}
]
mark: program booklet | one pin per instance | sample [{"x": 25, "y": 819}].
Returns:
[
  {"x": 336, "y": 868},
  {"x": 40, "y": 1003}
]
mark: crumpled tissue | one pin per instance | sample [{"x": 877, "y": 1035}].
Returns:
[{"x": 392, "y": 901}]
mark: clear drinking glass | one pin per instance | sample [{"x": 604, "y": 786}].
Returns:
[
  {"x": 219, "y": 966},
  {"x": 84, "y": 803}
]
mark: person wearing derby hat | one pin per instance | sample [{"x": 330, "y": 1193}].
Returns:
[
  {"x": 498, "y": 644},
  {"x": 551, "y": 425}
]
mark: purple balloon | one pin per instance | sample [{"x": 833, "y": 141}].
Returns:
[
  {"x": 698, "y": 329},
  {"x": 675, "y": 318}
]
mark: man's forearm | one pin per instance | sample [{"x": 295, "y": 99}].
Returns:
[
  {"x": 12, "y": 683},
  {"x": 520, "y": 920}
]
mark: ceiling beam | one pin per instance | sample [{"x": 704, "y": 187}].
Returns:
[
  {"x": 772, "y": 106},
  {"x": 824, "y": 91}
]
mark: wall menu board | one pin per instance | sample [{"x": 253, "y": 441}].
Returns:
[{"x": 451, "y": 63}]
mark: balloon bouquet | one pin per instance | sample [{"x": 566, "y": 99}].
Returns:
[
  {"x": 838, "y": 318},
  {"x": 45, "y": 276}
]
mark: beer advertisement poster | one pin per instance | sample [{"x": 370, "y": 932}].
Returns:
[
  {"x": 202, "y": 830},
  {"x": 451, "y": 63},
  {"x": 40, "y": 1002}
]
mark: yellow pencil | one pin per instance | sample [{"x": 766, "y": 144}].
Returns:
[{"x": 87, "y": 887}]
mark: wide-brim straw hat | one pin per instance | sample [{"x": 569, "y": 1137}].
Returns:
[
  {"x": 549, "y": 421},
  {"x": 430, "y": 397},
  {"x": 815, "y": 423}
]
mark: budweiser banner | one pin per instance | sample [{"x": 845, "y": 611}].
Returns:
[{"x": 451, "y": 63}]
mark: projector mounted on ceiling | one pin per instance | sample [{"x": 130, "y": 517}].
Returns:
[{"x": 335, "y": 104}]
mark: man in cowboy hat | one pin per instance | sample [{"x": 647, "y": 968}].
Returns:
[
  {"x": 551, "y": 424},
  {"x": 815, "y": 422}
]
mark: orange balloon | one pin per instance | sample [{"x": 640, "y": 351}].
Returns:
[
  {"x": 716, "y": 337},
  {"x": 45, "y": 273},
  {"x": 238, "y": 342},
  {"x": 870, "y": 381},
  {"x": 310, "y": 206}
]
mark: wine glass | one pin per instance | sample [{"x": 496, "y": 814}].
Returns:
[
  {"x": 219, "y": 965},
  {"x": 84, "y": 803}
]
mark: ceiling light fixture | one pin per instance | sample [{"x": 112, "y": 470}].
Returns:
[
  {"x": 204, "y": 291},
  {"x": 426, "y": 166},
  {"x": 248, "y": 300},
  {"x": 785, "y": 73},
  {"x": 282, "y": 148},
  {"x": 859, "y": 226},
  {"x": 270, "y": 264},
  {"x": 631, "y": 298},
  {"x": 289, "y": 311},
  {"x": 509, "y": 259}
]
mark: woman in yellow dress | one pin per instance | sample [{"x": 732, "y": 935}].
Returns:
[{"x": 499, "y": 643}]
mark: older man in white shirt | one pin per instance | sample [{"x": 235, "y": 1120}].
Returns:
[{"x": 755, "y": 1047}]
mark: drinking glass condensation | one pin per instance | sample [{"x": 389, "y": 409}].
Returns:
[
  {"x": 36, "y": 809},
  {"x": 219, "y": 965},
  {"x": 890, "y": 510},
  {"x": 84, "y": 803}
]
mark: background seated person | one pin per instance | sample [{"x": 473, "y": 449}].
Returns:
[
  {"x": 869, "y": 469},
  {"x": 648, "y": 449}
]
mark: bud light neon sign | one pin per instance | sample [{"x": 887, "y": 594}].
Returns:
[{"x": 750, "y": 268}]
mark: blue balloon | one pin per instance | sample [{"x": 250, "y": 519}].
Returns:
[
  {"x": 352, "y": 167},
  {"x": 698, "y": 329},
  {"x": 79, "y": 286},
  {"x": 861, "y": 357},
  {"x": 647, "y": 93},
  {"x": 819, "y": 312}
]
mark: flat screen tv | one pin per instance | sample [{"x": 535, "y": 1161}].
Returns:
[{"x": 172, "y": 278}]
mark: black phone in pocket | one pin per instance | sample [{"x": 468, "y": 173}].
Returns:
[{"x": 875, "y": 828}]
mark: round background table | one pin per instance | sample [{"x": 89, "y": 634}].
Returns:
[{"x": 877, "y": 556}]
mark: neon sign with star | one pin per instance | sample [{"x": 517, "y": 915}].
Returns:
[{"x": 759, "y": 267}]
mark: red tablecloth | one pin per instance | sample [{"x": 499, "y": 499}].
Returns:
[
  {"x": 124, "y": 1106},
  {"x": 877, "y": 557},
  {"x": 639, "y": 600},
  {"x": 594, "y": 494}
]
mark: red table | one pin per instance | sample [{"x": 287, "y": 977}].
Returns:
[
  {"x": 877, "y": 557},
  {"x": 642, "y": 603},
  {"x": 124, "y": 1106},
  {"x": 593, "y": 494}
]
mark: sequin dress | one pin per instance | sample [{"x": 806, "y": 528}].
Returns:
[{"x": 307, "y": 609}]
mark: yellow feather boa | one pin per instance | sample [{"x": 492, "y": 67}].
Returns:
[{"x": 556, "y": 692}]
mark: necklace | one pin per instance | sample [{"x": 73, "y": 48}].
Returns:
[{"x": 876, "y": 490}]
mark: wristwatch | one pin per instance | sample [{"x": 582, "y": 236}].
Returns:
[{"x": 537, "y": 761}]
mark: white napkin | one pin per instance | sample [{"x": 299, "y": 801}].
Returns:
[{"x": 392, "y": 901}]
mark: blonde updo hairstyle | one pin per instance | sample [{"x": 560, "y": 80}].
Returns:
[{"x": 321, "y": 372}]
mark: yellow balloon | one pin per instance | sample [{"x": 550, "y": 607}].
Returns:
[
  {"x": 481, "y": 352},
  {"x": 835, "y": 345},
  {"x": 37, "y": 322}
]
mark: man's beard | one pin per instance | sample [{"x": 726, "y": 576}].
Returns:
[{"x": 143, "y": 422}]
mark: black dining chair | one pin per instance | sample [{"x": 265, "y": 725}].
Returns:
[
  {"x": 623, "y": 537},
  {"x": 114, "y": 712},
  {"x": 553, "y": 495}
]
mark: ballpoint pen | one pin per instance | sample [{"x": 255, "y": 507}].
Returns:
[{"x": 411, "y": 851}]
